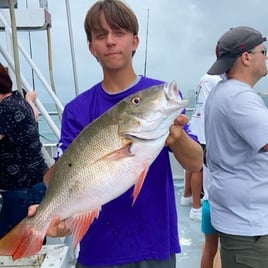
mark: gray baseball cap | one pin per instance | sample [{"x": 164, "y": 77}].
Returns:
[{"x": 232, "y": 44}]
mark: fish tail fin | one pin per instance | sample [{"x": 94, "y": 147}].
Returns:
[
  {"x": 80, "y": 224},
  {"x": 21, "y": 241}
]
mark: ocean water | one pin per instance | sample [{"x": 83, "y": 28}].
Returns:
[{"x": 48, "y": 137}]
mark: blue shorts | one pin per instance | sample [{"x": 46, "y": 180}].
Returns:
[
  {"x": 206, "y": 225},
  {"x": 16, "y": 203}
]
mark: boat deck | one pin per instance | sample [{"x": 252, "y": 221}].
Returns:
[{"x": 191, "y": 237}]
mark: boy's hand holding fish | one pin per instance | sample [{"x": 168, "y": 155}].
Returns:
[
  {"x": 57, "y": 228},
  {"x": 180, "y": 142},
  {"x": 176, "y": 129}
]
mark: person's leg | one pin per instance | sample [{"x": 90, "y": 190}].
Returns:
[
  {"x": 4, "y": 217},
  {"x": 16, "y": 203},
  {"x": 209, "y": 251},
  {"x": 196, "y": 186},
  {"x": 35, "y": 194},
  {"x": 13, "y": 210},
  {"x": 186, "y": 199},
  {"x": 211, "y": 238},
  {"x": 217, "y": 260}
]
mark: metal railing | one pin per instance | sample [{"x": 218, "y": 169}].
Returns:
[{"x": 11, "y": 64}]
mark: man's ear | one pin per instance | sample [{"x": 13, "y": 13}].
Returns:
[{"x": 245, "y": 57}]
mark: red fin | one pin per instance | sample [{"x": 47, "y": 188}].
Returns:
[
  {"x": 80, "y": 224},
  {"x": 49, "y": 173},
  {"x": 138, "y": 185},
  {"x": 21, "y": 241}
]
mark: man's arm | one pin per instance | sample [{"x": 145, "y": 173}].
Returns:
[{"x": 30, "y": 97}]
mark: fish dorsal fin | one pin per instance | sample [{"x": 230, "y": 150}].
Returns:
[
  {"x": 138, "y": 185},
  {"x": 49, "y": 173},
  {"x": 80, "y": 224}
]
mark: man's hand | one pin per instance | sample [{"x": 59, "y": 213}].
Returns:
[
  {"x": 57, "y": 228},
  {"x": 31, "y": 96}
]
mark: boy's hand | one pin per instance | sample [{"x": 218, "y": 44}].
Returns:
[{"x": 57, "y": 228}]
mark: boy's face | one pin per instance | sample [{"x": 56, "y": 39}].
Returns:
[{"x": 113, "y": 48}]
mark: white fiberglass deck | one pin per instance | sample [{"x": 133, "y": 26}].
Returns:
[{"x": 191, "y": 237}]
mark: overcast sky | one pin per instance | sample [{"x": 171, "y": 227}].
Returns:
[{"x": 181, "y": 40}]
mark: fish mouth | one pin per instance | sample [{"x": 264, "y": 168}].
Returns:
[{"x": 171, "y": 92}]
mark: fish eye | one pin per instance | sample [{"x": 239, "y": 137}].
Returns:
[{"x": 135, "y": 100}]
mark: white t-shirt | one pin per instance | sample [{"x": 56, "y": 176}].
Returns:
[
  {"x": 236, "y": 128},
  {"x": 206, "y": 83},
  {"x": 206, "y": 182}
]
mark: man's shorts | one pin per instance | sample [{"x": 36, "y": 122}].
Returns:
[
  {"x": 244, "y": 251},
  {"x": 206, "y": 225}
]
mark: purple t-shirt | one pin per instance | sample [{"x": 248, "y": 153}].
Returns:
[{"x": 124, "y": 233}]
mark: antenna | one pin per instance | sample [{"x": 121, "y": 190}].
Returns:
[
  {"x": 31, "y": 52},
  {"x": 147, "y": 31}
]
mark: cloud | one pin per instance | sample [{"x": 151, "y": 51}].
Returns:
[{"x": 181, "y": 40}]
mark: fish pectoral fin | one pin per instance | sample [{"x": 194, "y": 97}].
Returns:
[
  {"x": 80, "y": 224},
  {"x": 21, "y": 241},
  {"x": 118, "y": 154},
  {"x": 138, "y": 185}
]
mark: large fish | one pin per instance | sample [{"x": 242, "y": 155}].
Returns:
[{"x": 109, "y": 156}]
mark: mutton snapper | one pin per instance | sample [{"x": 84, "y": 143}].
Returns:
[{"x": 109, "y": 156}]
